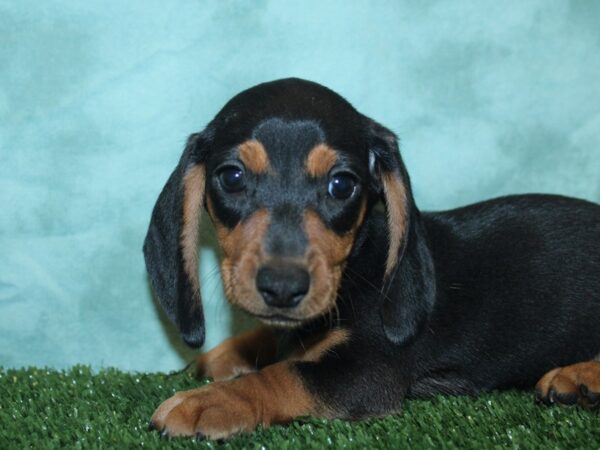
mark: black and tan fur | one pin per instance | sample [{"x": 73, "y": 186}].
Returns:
[{"x": 363, "y": 306}]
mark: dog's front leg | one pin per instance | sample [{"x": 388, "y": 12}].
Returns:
[
  {"x": 325, "y": 383},
  {"x": 275, "y": 394}
]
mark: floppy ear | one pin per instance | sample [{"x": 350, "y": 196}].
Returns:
[
  {"x": 409, "y": 281},
  {"x": 171, "y": 244}
]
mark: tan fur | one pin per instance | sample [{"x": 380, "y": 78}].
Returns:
[
  {"x": 320, "y": 160},
  {"x": 254, "y": 156},
  {"x": 395, "y": 195},
  {"x": 326, "y": 255},
  {"x": 242, "y": 256},
  {"x": 218, "y": 410},
  {"x": 238, "y": 355},
  {"x": 193, "y": 196},
  {"x": 578, "y": 379}
]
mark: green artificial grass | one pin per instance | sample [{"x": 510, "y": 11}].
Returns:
[{"x": 41, "y": 408}]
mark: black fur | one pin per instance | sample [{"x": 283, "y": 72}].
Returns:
[{"x": 483, "y": 297}]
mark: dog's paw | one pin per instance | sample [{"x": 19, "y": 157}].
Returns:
[
  {"x": 221, "y": 365},
  {"x": 212, "y": 412},
  {"x": 578, "y": 384}
]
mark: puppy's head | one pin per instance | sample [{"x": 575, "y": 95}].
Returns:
[{"x": 287, "y": 171}]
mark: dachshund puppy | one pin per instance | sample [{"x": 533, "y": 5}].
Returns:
[{"x": 365, "y": 299}]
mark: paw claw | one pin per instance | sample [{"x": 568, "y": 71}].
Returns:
[{"x": 552, "y": 396}]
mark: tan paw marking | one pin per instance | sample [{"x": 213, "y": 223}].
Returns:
[
  {"x": 210, "y": 411},
  {"x": 570, "y": 385},
  {"x": 221, "y": 409}
]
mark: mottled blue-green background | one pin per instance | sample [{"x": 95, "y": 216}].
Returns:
[{"x": 97, "y": 98}]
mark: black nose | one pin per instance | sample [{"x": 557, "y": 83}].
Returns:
[{"x": 282, "y": 286}]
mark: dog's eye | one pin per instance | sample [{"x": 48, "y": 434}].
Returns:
[
  {"x": 232, "y": 178},
  {"x": 341, "y": 185}
]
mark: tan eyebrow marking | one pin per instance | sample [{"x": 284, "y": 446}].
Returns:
[
  {"x": 320, "y": 160},
  {"x": 254, "y": 156}
]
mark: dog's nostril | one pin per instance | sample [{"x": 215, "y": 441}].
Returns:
[
  {"x": 268, "y": 295},
  {"x": 282, "y": 286}
]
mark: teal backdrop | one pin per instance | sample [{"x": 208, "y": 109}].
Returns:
[{"x": 97, "y": 99}]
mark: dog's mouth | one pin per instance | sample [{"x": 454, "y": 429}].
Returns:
[{"x": 279, "y": 320}]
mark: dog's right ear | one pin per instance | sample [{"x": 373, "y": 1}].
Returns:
[{"x": 171, "y": 244}]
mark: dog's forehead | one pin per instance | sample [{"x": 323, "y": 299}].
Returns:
[
  {"x": 288, "y": 142},
  {"x": 290, "y": 113}
]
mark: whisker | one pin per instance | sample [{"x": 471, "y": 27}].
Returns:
[
  {"x": 368, "y": 282},
  {"x": 210, "y": 275}
]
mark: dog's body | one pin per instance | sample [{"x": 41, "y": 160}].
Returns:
[{"x": 364, "y": 307}]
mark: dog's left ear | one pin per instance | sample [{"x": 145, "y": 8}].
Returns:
[
  {"x": 171, "y": 244},
  {"x": 391, "y": 182},
  {"x": 409, "y": 281}
]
